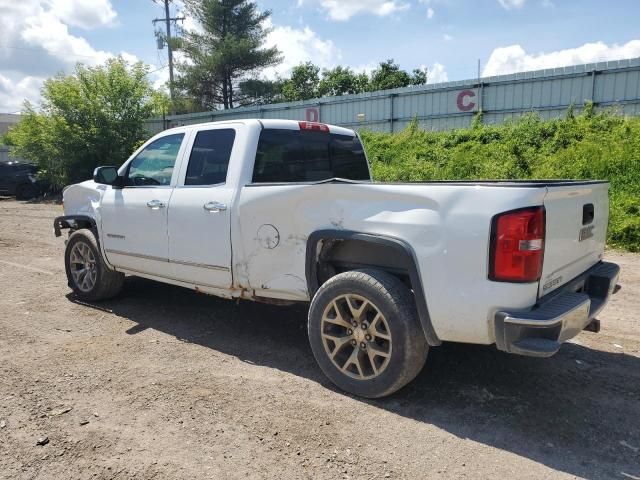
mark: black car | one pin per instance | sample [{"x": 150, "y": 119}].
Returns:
[{"x": 19, "y": 179}]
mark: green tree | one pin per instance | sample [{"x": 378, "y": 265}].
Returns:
[
  {"x": 342, "y": 81},
  {"x": 419, "y": 76},
  {"x": 160, "y": 103},
  {"x": 260, "y": 92},
  {"x": 226, "y": 49},
  {"x": 389, "y": 75},
  {"x": 90, "y": 118},
  {"x": 303, "y": 84}
]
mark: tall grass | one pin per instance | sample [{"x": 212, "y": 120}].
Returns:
[{"x": 588, "y": 146}]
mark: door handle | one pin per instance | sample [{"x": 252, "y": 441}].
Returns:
[
  {"x": 214, "y": 207},
  {"x": 155, "y": 204}
]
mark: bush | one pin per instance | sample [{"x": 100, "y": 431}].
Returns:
[
  {"x": 588, "y": 146},
  {"x": 90, "y": 118}
]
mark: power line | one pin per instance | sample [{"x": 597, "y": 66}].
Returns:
[{"x": 156, "y": 70}]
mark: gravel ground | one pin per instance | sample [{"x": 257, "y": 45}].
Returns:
[{"x": 163, "y": 382}]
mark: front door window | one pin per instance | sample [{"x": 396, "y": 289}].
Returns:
[{"x": 154, "y": 165}]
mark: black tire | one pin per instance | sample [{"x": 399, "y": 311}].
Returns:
[
  {"x": 27, "y": 191},
  {"x": 407, "y": 347},
  {"x": 108, "y": 282}
]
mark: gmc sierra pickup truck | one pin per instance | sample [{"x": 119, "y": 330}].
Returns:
[{"x": 284, "y": 211}]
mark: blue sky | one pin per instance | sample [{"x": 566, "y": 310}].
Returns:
[{"x": 41, "y": 37}]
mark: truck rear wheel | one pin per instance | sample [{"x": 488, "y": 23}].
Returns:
[
  {"x": 88, "y": 276},
  {"x": 365, "y": 334}
]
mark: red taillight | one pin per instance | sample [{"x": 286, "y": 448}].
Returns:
[
  {"x": 517, "y": 246},
  {"x": 314, "y": 127}
]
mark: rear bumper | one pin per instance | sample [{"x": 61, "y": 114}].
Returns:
[{"x": 540, "y": 330}]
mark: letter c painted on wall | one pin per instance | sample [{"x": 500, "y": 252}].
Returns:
[
  {"x": 462, "y": 106},
  {"x": 313, "y": 115}
]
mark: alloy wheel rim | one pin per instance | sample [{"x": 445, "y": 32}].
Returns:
[
  {"x": 83, "y": 266},
  {"x": 356, "y": 337}
]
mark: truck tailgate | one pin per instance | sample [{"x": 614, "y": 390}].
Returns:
[{"x": 576, "y": 230}]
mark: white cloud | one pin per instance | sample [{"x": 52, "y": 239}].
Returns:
[
  {"x": 437, "y": 73},
  {"x": 509, "y": 4},
  {"x": 343, "y": 10},
  {"x": 514, "y": 58},
  {"x": 430, "y": 11},
  {"x": 298, "y": 46},
  {"x": 47, "y": 32},
  {"x": 189, "y": 24},
  {"x": 14, "y": 93},
  {"x": 35, "y": 43},
  {"x": 82, "y": 13},
  {"x": 446, "y": 37}
]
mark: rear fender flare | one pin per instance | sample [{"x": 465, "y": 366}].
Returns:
[{"x": 401, "y": 248}]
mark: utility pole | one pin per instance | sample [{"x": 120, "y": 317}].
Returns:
[{"x": 167, "y": 19}]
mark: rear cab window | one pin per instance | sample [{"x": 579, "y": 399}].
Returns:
[
  {"x": 209, "y": 159},
  {"x": 290, "y": 156}
]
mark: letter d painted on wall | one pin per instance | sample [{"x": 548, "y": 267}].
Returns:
[{"x": 313, "y": 115}]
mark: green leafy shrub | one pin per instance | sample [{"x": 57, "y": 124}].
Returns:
[
  {"x": 591, "y": 145},
  {"x": 93, "y": 117}
]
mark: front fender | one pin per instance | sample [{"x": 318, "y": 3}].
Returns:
[{"x": 83, "y": 198}]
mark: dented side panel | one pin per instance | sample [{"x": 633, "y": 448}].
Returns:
[
  {"x": 84, "y": 199},
  {"x": 447, "y": 226}
]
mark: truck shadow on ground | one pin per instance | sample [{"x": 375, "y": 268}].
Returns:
[{"x": 578, "y": 412}]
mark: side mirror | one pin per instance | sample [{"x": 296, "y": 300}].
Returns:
[{"x": 107, "y": 176}]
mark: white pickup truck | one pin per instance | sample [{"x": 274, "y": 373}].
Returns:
[{"x": 285, "y": 211}]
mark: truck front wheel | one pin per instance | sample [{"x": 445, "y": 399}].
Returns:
[
  {"x": 87, "y": 275},
  {"x": 365, "y": 334}
]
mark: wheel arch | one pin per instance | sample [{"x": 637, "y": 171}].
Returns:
[
  {"x": 75, "y": 222},
  {"x": 326, "y": 248}
]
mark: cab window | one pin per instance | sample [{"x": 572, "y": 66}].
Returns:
[
  {"x": 209, "y": 159},
  {"x": 154, "y": 165},
  {"x": 300, "y": 156}
]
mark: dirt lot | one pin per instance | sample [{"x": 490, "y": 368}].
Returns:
[{"x": 168, "y": 383}]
